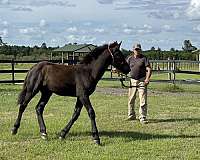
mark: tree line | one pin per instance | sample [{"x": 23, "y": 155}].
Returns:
[
  {"x": 44, "y": 52},
  {"x": 157, "y": 54}
]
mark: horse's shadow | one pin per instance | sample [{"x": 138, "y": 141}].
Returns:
[{"x": 131, "y": 135}]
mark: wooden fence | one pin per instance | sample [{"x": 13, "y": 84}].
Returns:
[
  {"x": 160, "y": 66},
  {"x": 172, "y": 67},
  {"x": 14, "y": 71}
]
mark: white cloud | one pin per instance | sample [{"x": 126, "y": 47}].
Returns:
[
  {"x": 4, "y": 33},
  {"x": 99, "y": 30},
  {"x": 72, "y": 29},
  {"x": 160, "y": 9},
  {"x": 147, "y": 26},
  {"x": 27, "y": 30},
  {"x": 28, "y": 5},
  {"x": 167, "y": 14},
  {"x": 88, "y": 39},
  {"x": 197, "y": 28},
  {"x": 127, "y": 30},
  {"x": 72, "y": 38},
  {"x": 5, "y": 23},
  {"x": 80, "y": 39},
  {"x": 42, "y": 23},
  {"x": 146, "y": 29},
  {"x": 105, "y": 1},
  {"x": 4, "y": 2},
  {"x": 194, "y": 9},
  {"x": 167, "y": 28},
  {"x": 32, "y": 31},
  {"x": 87, "y": 23},
  {"x": 22, "y": 8}
]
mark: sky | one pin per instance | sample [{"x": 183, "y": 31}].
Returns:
[{"x": 159, "y": 23}]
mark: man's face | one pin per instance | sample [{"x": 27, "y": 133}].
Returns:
[{"x": 137, "y": 51}]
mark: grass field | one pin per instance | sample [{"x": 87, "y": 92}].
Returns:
[{"x": 173, "y": 131}]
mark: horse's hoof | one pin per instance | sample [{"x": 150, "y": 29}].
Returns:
[
  {"x": 97, "y": 141},
  {"x": 44, "y": 136},
  {"x": 61, "y": 135},
  {"x": 61, "y": 138},
  {"x": 13, "y": 131}
]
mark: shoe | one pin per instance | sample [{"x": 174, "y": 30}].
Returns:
[
  {"x": 131, "y": 118},
  {"x": 144, "y": 120}
]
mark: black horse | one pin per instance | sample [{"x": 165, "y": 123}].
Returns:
[{"x": 73, "y": 80}]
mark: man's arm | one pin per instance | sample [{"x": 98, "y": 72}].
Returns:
[{"x": 148, "y": 75}]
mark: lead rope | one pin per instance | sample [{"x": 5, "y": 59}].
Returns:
[{"x": 111, "y": 54}]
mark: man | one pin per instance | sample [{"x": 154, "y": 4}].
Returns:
[{"x": 140, "y": 75}]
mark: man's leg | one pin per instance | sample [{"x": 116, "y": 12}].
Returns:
[
  {"x": 143, "y": 102},
  {"x": 131, "y": 100}
]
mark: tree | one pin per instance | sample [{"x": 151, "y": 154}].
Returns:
[
  {"x": 159, "y": 49},
  {"x": 153, "y": 48},
  {"x": 44, "y": 46},
  {"x": 172, "y": 50},
  {"x": 187, "y": 46},
  {"x": 1, "y": 42}
]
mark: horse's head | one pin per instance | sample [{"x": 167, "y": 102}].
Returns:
[{"x": 118, "y": 58}]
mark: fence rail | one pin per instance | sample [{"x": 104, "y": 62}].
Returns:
[
  {"x": 14, "y": 71},
  {"x": 160, "y": 66}
]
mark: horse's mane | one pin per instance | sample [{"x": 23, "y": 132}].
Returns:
[{"x": 93, "y": 54}]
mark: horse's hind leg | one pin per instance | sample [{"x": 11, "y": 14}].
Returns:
[
  {"x": 75, "y": 116},
  {"x": 39, "y": 111},
  {"x": 86, "y": 102},
  {"x": 22, "y": 108}
]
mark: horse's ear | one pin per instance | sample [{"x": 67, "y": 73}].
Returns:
[{"x": 119, "y": 44}]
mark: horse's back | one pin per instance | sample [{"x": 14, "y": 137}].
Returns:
[{"x": 59, "y": 78}]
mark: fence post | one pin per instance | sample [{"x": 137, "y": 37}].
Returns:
[
  {"x": 169, "y": 69},
  {"x": 199, "y": 61},
  {"x": 13, "y": 71},
  {"x": 174, "y": 70},
  {"x": 62, "y": 59}
]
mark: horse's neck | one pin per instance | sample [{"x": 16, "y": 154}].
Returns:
[{"x": 100, "y": 65}]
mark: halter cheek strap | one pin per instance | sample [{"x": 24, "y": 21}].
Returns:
[{"x": 111, "y": 53}]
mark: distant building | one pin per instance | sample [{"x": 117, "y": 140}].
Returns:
[{"x": 74, "y": 51}]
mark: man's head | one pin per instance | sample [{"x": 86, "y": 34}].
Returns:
[{"x": 137, "y": 48}]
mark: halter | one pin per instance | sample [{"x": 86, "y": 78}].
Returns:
[{"x": 111, "y": 54}]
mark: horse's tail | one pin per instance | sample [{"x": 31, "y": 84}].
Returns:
[{"x": 31, "y": 83}]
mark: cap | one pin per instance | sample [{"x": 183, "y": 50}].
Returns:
[{"x": 137, "y": 46}]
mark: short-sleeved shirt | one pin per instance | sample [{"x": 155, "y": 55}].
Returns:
[{"x": 138, "y": 66}]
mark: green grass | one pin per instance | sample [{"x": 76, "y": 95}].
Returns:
[{"x": 173, "y": 131}]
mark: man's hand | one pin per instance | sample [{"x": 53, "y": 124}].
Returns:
[{"x": 146, "y": 82}]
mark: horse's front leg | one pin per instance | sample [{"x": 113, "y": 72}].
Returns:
[
  {"x": 86, "y": 102},
  {"x": 75, "y": 116}
]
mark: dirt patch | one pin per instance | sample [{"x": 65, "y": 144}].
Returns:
[
  {"x": 112, "y": 91},
  {"x": 124, "y": 91}
]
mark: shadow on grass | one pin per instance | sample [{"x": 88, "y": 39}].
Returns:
[
  {"x": 142, "y": 136},
  {"x": 196, "y": 120},
  {"x": 129, "y": 135}
]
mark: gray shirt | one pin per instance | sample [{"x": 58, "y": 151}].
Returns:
[{"x": 138, "y": 66}]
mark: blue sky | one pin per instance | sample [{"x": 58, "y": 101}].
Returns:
[{"x": 158, "y": 23}]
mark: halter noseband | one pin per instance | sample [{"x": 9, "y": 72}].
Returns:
[{"x": 111, "y": 53}]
